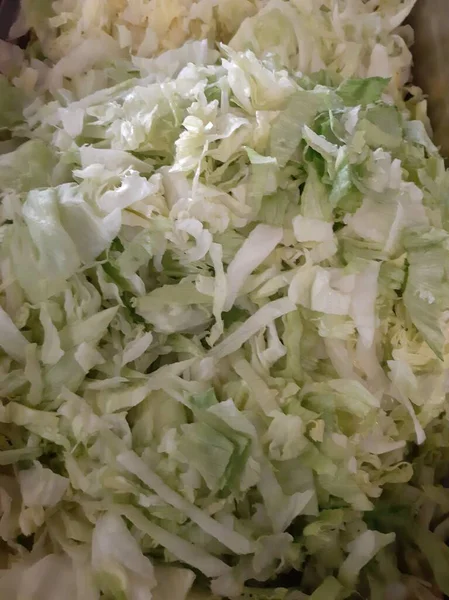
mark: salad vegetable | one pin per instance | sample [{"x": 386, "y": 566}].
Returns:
[{"x": 224, "y": 305}]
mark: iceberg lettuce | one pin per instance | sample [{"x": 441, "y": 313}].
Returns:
[{"x": 224, "y": 305}]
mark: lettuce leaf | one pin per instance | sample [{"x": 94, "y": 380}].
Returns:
[{"x": 223, "y": 304}]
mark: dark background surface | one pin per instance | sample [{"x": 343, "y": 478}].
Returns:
[
  {"x": 8, "y": 13},
  {"x": 430, "y": 20}
]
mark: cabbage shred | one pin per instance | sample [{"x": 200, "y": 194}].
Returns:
[{"x": 224, "y": 305}]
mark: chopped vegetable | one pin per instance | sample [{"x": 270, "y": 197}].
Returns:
[{"x": 224, "y": 305}]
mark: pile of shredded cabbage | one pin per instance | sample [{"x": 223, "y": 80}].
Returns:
[{"x": 224, "y": 305}]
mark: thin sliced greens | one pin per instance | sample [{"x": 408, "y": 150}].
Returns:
[{"x": 224, "y": 305}]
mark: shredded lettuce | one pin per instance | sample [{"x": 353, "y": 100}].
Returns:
[{"x": 224, "y": 305}]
